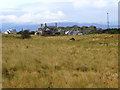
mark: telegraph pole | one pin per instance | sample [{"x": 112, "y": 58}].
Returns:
[
  {"x": 119, "y": 15},
  {"x": 107, "y": 20}
]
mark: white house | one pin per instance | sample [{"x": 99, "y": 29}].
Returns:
[
  {"x": 38, "y": 32},
  {"x": 67, "y": 32},
  {"x": 9, "y": 31},
  {"x": 59, "y": 30},
  {"x": 79, "y": 33},
  {"x": 98, "y": 29},
  {"x": 75, "y": 32}
]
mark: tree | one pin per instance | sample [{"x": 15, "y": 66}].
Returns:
[
  {"x": 57, "y": 33},
  {"x": 32, "y": 32},
  {"x": 20, "y": 32},
  {"x": 25, "y": 34}
]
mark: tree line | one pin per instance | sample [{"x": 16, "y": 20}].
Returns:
[{"x": 106, "y": 31}]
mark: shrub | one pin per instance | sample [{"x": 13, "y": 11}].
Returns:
[
  {"x": 58, "y": 33},
  {"x": 25, "y": 34},
  {"x": 72, "y": 39},
  {"x": 32, "y": 32},
  {"x": 20, "y": 32},
  {"x": 107, "y": 31}
]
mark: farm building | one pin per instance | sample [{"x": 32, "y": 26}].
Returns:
[
  {"x": 47, "y": 30},
  {"x": 11, "y": 31},
  {"x": 38, "y": 32}
]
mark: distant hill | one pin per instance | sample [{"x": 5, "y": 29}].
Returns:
[{"x": 34, "y": 27}]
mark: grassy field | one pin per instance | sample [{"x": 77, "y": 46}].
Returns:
[{"x": 91, "y": 61}]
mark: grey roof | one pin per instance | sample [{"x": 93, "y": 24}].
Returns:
[
  {"x": 51, "y": 27},
  {"x": 75, "y": 32}
]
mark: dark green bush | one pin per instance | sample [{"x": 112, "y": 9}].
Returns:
[
  {"x": 72, "y": 39},
  {"x": 106, "y": 31},
  {"x": 25, "y": 34},
  {"x": 32, "y": 32},
  {"x": 58, "y": 33},
  {"x": 20, "y": 32}
]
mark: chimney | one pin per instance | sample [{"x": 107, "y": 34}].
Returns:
[
  {"x": 41, "y": 25},
  {"x": 56, "y": 25},
  {"x": 45, "y": 26}
]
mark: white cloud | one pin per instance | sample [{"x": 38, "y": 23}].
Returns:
[
  {"x": 76, "y": 3},
  {"x": 36, "y": 11},
  {"x": 15, "y": 3},
  {"x": 8, "y": 18},
  {"x": 56, "y": 21},
  {"x": 94, "y": 3},
  {"x": 32, "y": 18},
  {"x": 60, "y": 13}
]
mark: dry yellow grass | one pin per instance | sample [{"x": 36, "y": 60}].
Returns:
[{"x": 56, "y": 62}]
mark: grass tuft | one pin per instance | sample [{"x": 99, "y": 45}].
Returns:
[{"x": 89, "y": 61}]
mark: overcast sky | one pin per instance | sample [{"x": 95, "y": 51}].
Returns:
[{"x": 40, "y": 11}]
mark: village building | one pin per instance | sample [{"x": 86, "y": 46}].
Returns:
[
  {"x": 97, "y": 29},
  {"x": 11, "y": 31},
  {"x": 45, "y": 30},
  {"x": 38, "y": 32},
  {"x": 54, "y": 30},
  {"x": 79, "y": 33}
]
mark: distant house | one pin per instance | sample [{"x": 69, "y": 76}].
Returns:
[
  {"x": 75, "y": 32},
  {"x": 38, "y": 32},
  {"x": 86, "y": 32},
  {"x": 79, "y": 33},
  {"x": 47, "y": 33},
  {"x": 47, "y": 29},
  {"x": 97, "y": 29},
  {"x": 67, "y": 32},
  {"x": 59, "y": 30},
  {"x": 54, "y": 30},
  {"x": 11, "y": 31},
  {"x": 62, "y": 32}
]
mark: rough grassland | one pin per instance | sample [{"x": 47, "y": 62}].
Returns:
[{"x": 56, "y": 62}]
